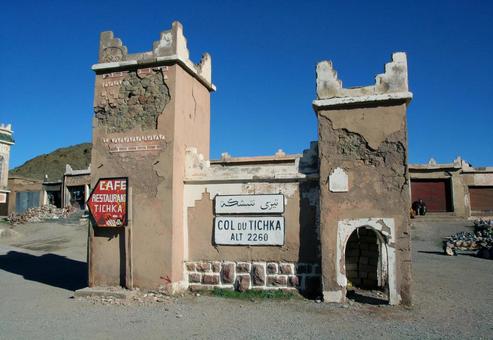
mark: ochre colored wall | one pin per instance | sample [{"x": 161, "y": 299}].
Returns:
[
  {"x": 301, "y": 231},
  {"x": 370, "y": 144},
  {"x": 22, "y": 184}
]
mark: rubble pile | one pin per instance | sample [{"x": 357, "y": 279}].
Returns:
[
  {"x": 132, "y": 297},
  {"x": 481, "y": 240},
  {"x": 46, "y": 212}
]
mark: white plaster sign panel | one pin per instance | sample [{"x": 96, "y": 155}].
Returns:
[
  {"x": 249, "y": 204},
  {"x": 338, "y": 181},
  {"x": 249, "y": 230}
]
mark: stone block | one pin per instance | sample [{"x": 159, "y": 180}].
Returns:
[
  {"x": 243, "y": 267},
  {"x": 367, "y": 268},
  {"x": 210, "y": 279},
  {"x": 338, "y": 181},
  {"x": 203, "y": 267},
  {"x": 228, "y": 272},
  {"x": 194, "y": 277},
  {"x": 352, "y": 259},
  {"x": 216, "y": 266},
  {"x": 190, "y": 266},
  {"x": 351, "y": 273},
  {"x": 242, "y": 283},
  {"x": 258, "y": 274},
  {"x": 352, "y": 252},
  {"x": 293, "y": 281},
  {"x": 351, "y": 267},
  {"x": 277, "y": 281},
  {"x": 104, "y": 292},
  {"x": 199, "y": 287},
  {"x": 286, "y": 268},
  {"x": 271, "y": 268},
  {"x": 367, "y": 253}
]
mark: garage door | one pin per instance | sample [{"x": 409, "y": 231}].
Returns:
[
  {"x": 435, "y": 193},
  {"x": 481, "y": 199},
  {"x": 25, "y": 200}
]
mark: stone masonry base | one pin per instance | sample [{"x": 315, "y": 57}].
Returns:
[{"x": 242, "y": 276}]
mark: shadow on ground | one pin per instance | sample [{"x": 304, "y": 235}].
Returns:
[
  {"x": 366, "y": 298},
  {"x": 50, "y": 269},
  {"x": 441, "y": 253}
]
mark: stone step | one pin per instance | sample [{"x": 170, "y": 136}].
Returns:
[{"x": 439, "y": 217}]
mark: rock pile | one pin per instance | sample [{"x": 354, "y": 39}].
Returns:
[
  {"x": 124, "y": 297},
  {"x": 480, "y": 240},
  {"x": 46, "y": 212}
]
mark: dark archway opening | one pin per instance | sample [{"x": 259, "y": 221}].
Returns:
[{"x": 366, "y": 267}]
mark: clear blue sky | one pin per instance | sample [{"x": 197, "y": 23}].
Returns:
[{"x": 264, "y": 55}]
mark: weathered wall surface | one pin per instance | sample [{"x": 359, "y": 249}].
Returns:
[
  {"x": 363, "y": 139},
  {"x": 18, "y": 184},
  {"x": 461, "y": 175},
  {"x": 148, "y": 108},
  {"x": 378, "y": 185},
  {"x": 294, "y": 176},
  {"x": 77, "y": 180},
  {"x": 300, "y": 225}
]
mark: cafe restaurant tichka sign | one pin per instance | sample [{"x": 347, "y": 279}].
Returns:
[
  {"x": 108, "y": 202},
  {"x": 249, "y": 220}
]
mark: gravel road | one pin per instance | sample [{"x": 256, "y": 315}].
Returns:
[{"x": 42, "y": 266}]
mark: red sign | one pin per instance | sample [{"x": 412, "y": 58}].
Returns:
[{"x": 108, "y": 202}]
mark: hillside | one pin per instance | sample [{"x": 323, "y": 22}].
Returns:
[{"x": 53, "y": 164}]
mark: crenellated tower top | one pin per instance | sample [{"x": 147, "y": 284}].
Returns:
[{"x": 171, "y": 46}]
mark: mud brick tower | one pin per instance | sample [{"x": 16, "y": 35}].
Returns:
[
  {"x": 364, "y": 186},
  {"x": 148, "y": 107}
]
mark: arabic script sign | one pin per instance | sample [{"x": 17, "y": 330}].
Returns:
[
  {"x": 250, "y": 204},
  {"x": 108, "y": 202},
  {"x": 249, "y": 230}
]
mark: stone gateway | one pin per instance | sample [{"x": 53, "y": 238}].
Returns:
[{"x": 332, "y": 217}]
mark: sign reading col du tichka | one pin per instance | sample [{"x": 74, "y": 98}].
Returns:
[{"x": 249, "y": 230}]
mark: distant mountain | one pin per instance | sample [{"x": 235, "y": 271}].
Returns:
[{"x": 53, "y": 164}]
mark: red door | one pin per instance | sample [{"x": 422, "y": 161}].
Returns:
[
  {"x": 434, "y": 192},
  {"x": 481, "y": 199}
]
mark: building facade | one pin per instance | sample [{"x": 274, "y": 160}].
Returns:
[
  {"x": 6, "y": 141},
  {"x": 454, "y": 189},
  {"x": 71, "y": 190},
  {"x": 334, "y": 216}
]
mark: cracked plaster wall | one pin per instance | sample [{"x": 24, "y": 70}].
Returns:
[
  {"x": 371, "y": 148},
  {"x": 138, "y": 103},
  {"x": 290, "y": 177},
  {"x": 156, "y": 178}
]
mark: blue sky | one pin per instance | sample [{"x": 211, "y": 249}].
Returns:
[{"x": 264, "y": 55}]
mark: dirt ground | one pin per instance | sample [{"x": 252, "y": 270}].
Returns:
[{"x": 42, "y": 264}]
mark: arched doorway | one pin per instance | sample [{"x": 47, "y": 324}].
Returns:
[{"x": 366, "y": 266}]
